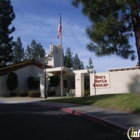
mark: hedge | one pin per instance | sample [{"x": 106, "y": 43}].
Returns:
[{"x": 33, "y": 93}]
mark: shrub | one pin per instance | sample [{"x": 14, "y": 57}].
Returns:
[
  {"x": 12, "y": 81},
  {"x": 51, "y": 93},
  {"x": 33, "y": 93},
  {"x": 14, "y": 94},
  {"x": 31, "y": 81},
  {"x": 23, "y": 94},
  {"x": 54, "y": 81},
  {"x": 87, "y": 92}
]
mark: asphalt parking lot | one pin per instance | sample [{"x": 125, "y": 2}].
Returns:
[{"x": 23, "y": 121}]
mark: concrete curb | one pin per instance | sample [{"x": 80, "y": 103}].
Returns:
[{"x": 106, "y": 123}]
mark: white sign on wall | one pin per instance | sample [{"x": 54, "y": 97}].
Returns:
[{"x": 101, "y": 80}]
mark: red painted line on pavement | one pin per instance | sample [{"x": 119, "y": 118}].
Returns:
[{"x": 103, "y": 122}]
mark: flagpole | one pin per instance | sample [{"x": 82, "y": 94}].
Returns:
[{"x": 61, "y": 58}]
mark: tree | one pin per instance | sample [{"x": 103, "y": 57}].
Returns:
[
  {"x": 18, "y": 51},
  {"x": 34, "y": 50},
  {"x": 90, "y": 63},
  {"x": 6, "y": 17},
  {"x": 28, "y": 53},
  {"x": 54, "y": 81},
  {"x": 81, "y": 65},
  {"x": 68, "y": 59},
  {"x": 77, "y": 63},
  {"x": 31, "y": 82},
  {"x": 40, "y": 51},
  {"x": 12, "y": 81},
  {"x": 114, "y": 22}
]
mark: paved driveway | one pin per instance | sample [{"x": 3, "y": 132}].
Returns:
[{"x": 27, "y": 122}]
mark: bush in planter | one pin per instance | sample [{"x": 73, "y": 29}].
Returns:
[
  {"x": 23, "y": 94},
  {"x": 13, "y": 94},
  {"x": 33, "y": 93},
  {"x": 87, "y": 92},
  {"x": 54, "y": 81},
  {"x": 51, "y": 93}
]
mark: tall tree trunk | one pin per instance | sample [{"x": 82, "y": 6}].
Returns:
[
  {"x": 136, "y": 26},
  {"x": 137, "y": 36}
]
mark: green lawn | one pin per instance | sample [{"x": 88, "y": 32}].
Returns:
[{"x": 123, "y": 102}]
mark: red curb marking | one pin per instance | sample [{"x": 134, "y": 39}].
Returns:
[{"x": 105, "y": 123}]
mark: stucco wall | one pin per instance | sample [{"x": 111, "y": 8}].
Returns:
[
  {"x": 127, "y": 81},
  {"x": 57, "y": 56},
  {"x": 79, "y": 85},
  {"x": 23, "y": 75},
  {"x": 55, "y": 59}
]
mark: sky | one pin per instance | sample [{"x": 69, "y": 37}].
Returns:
[{"x": 39, "y": 19}]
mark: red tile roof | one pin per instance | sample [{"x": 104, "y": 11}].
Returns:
[
  {"x": 10, "y": 68},
  {"x": 123, "y": 69}
]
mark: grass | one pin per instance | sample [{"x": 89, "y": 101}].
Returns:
[{"x": 122, "y": 102}]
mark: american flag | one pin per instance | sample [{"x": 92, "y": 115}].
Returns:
[{"x": 59, "y": 28}]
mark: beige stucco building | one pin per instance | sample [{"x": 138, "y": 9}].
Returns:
[
  {"x": 124, "y": 80},
  {"x": 70, "y": 79},
  {"x": 121, "y": 80}
]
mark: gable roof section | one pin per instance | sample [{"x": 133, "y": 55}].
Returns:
[{"x": 10, "y": 68}]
